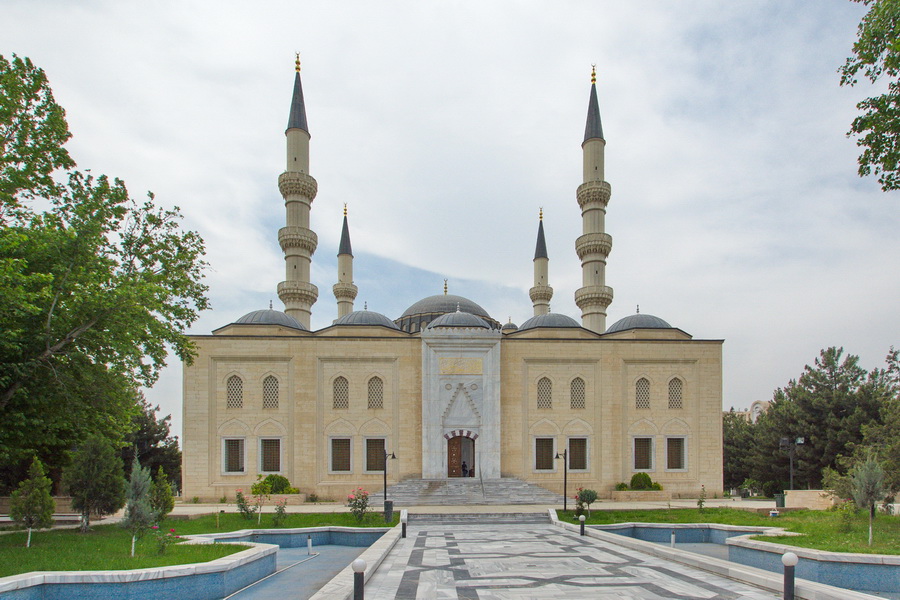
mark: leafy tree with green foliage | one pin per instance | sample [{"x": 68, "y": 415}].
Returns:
[
  {"x": 139, "y": 514},
  {"x": 587, "y": 497},
  {"x": 155, "y": 447},
  {"x": 876, "y": 56},
  {"x": 737, "y": 440},
  {"x": 94, "y": 286},
  {"x": 31, "y": 505},
  {"x": 883, "y": 437},
  {"x": 161, "y": 499},
  {"x": 868, "y": 487},
  {"x": 95, "y": 480}
]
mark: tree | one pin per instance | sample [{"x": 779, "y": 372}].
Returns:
[
  {"x": 94, "y": 287},
  {"x": 876, "y": 55},
  {"x": 868, "y": 487},
  {"x": 139, "y": 515},
  {"x": 151, "y": 440},
  {"x": 737, "y": 441},
  {"x": 31, "y": 505},
  {"x": 161, "y": 499},
  {"x": 95, "y": 480},
  {"x": 883, "y": 437}
]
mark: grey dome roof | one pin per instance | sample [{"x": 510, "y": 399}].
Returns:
[
  {"x": 549, "y": 320},
  {"x": 366, "y": 317},
  {"x": 444, "y": 303},
  {"x": 510, "y": 327},
  {"x": 459, "y": 319},
  {"x": 270, "y": 317},
  {"x": 638, "y": 321}
]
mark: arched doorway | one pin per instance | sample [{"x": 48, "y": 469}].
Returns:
[{"x": 460, "y": 449}]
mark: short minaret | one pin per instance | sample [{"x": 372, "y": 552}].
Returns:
[
  {"x": 541, "y": 293},
  {"x": 594, "y": 245},
  {"x": 344, "y": 290},
  {"x": 297, "y": 240}
]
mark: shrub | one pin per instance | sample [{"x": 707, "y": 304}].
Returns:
[
  {"x": 312, "y": 498},
  {"x": 656, "y": 486},
  {"x": 31, "y": 505},
  {"x": 358, "y": 501},
  {"x": 621, "y": 486},
  {"x": 260, "y": 490},
  {"x": 278, "y": 484},
  {"x": 641, "y": 481},
  {"x": 161, "y": 499},
  {"x": 280, "y": 515},
  {"x": 587, "y": 497},
  {"x": 243, "y": 506},
  {"x": 770, "y": 488}
]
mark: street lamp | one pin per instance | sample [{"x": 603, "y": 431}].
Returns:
[
  {"x": 386, "y": 457},
  {"x": 565, "y": 459},
  {"x": 791, "y": 446}
]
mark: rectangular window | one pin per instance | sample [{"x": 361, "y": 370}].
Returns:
[
  {"x": 675, "y": 453},
  {"x": 578, "y": 454},
  {"x": 543, "y": 454},
  {"x": 270, "y": 455},
  {"x": 375, "y": 454},
  {"x": 643, "y": 454},
  {"x": 340, "y": 455},
  {"x": 233, "y": 455}
]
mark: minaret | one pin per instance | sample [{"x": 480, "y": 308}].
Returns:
[
  {"x": 594, "y": 245},
  {"x": 541, "y": 293},
  {"x": 344, "y": 290},
  {"x": 297, "y": 240}
]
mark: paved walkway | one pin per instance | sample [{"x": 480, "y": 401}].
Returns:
[{"x": 505, "y": 562}]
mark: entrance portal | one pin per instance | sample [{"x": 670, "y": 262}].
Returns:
[{"x": 460, "y": 449}]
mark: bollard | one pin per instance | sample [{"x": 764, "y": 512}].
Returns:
[
  {"x": 359, "y": 579},
  {"x": 309, "y": 545},
  {"x": 789, "y": 560},
  {"x": 388, "y": 511},
  {"x": 672, "y": 542},
  {"x": 404, "y": 516},
  {"x": 581, "y": 518}
]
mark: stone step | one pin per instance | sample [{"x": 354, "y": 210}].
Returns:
[
  {"x": 460, "y": 491},
  {"x": 479, "y": 518}
]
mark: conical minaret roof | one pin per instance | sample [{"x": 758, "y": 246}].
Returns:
[
  {"x": 297, "y": 118},
  {"x": 540, "y": 249},
  {"x": 344, "y": 247},
  {"x": 593, "y": 128}
]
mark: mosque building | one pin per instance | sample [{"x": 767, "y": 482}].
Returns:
[{"x": 444, "y": 387}]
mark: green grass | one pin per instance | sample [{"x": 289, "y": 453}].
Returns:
[
  {"x": 821, "y": 529},
  {"x": 108, "y": 547}
]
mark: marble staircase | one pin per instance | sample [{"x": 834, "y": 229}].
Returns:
[{"x": 468, "y": 491}]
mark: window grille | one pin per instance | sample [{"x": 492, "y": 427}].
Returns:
[
  {"x": 578, "y": 454},
  {"x": 375, "y": 454},
  {"x": 270, "y": 392},
  {"x": 543, "y": 454},
  {"x": 341, "y": 393},
  {"x": 376, "y": 393},
  {"x": 234, "y": 391},
  {"x": 544, "y": 393},
  {"x": 234, "y": 456},
  {"x": 270, "y": 455},
  {"x": 577, "y": 393},
  {"x": 675, "y": 387},
  {"x": 340, "y": 454},
  {"x": 642, "y": 393},
  {"x": 643, "y": 454},
  {"x": 675, "y": 453}
]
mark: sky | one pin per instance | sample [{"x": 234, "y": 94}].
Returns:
[{"x": 736, "y": 209}]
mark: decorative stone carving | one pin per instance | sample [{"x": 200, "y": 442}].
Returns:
[
  {"x": 593, "y": 191},
  {"x": 298, "y": 237},
  {"x": 297, "y": 184},
  {"x": 593, "y": 243},
  {"x": 460, "y": 366},
  {"x": 298, "y": 292},
  {"x": 594, "y": 295},
  {"x": 541, "y": 292},
  {"x": 345, "y": 291}
]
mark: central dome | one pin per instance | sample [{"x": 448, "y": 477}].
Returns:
[{"x": 419, "y": 315}]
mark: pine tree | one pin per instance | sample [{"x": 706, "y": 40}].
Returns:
[
  {"x": 95, "y": 480},
  {"x": 139, "y": 515},
  {"x": 161, "y": 499},
  {"x": 31, "y": 505},
  {"x": 868, "y": 487}
]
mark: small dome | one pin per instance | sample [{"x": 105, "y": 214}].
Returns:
[
  {"x": 270, "y": 317},
  {"x": 638, "y": 321},
  {"x": 444, "y": 303},
  {"x": 459, "y": 319},
  {"x": 510, "y": 327},
  {"x": 366, "y": 317},
  {"x": 549, "y": 320}
]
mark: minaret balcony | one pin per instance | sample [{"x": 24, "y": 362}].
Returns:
[
  {"x": 541, "y": 293},
  {"x": 298, "y": 237},
  {"x": 294, "y": 293},
  {"x": 591, "y": 192},
  {"x": 593, "y": 243},
  {"x": 345, "y": 291},
  {"x": 292, "y": 183},
  {"x": 593, "y": 295}
]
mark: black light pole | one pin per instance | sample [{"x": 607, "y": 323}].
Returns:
[
  {"x": 791, "y": 446},
  {"x": 565, "y": 459},
  {"x": 386, "y": 457}
]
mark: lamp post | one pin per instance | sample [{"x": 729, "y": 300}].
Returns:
[
  {"x": 791, "y": 446},
  {"x": 565, "y": 459},
  {"x": 386, "y": 457}
]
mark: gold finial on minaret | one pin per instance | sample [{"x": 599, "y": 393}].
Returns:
[
  {"x": 593, "y": 73},
  {"x": 445, "y": 287},
  {"x": 345, "y": 209},
  {"x": 297, "y": 62},
  {"x": 541, "y": 214},
  {"x": 638, "y": 309}
]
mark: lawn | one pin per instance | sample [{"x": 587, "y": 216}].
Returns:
[
  {"x": 108, "y": 547},
  {"x": 822, "y": 529}
]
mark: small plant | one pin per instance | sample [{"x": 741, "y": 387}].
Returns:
[
  {"x": 260, "y": 490},
  {"x": 621, "y": 486},
  {"x": 312, "y": 498},
  {"x": 656, "y": 486},
  {"x": 164, "y": 540},
  {"x": 195, "y": 500},
  {"x": 223, "y": 500},
  {"x": 280, "y": 515},
  {"x": 587, "y": 497},
  {"x": 358, "y": 501},
  {"x": 579, "y": 503},
  {"x": 641, "y": 481},
  {"x": 846, "y": 515},
  {"x": 243, "y": 506},
  {"x": 701, "y": 501}
]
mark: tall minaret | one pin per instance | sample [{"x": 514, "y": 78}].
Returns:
[
  {"x": 541, "y": 293},
  {"x": 297, "y": 240},
  {"x": 594, "y": 245},
  {"x": 344, "y": 290}
]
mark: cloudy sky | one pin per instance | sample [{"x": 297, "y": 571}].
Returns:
[{"x": 736, "y": 211}]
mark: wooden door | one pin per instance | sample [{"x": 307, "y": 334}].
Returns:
[{"x": 454, "y": 454}]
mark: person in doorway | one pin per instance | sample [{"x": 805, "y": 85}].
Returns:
[{"x": 465, "y": 469}]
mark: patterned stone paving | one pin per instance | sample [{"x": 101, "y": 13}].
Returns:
[{"x": 505, "y": 562}]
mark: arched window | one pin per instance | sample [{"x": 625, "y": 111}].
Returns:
[
  {"x": 376, "y": 393},
  {"x": 341, "y": 393},
  {"x": 270, "y": 392},
  {"x": 234, "y": 392},
  {"x": 675, "y": 387},
  {"x": 642, "y": 393},
  {"x": 577, "y": 393},
  {"x": 544, "y": 393}
]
